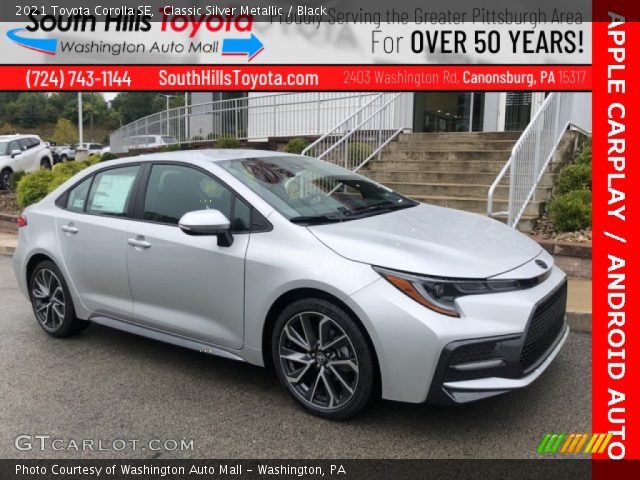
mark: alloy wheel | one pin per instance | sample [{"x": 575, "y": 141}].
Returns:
[
  {"x": 48, "y": 299},
  {"x": 5, "y": 180},
  {"x": 318, "y": 360}
]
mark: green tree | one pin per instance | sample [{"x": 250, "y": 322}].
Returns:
[
  {"x": 27, "y": 110},
  {"x": 65, "y": 132},
  {"x": 134, "y": 105}
]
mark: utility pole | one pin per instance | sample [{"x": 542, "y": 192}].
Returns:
[{"x": 80, "y": 133}]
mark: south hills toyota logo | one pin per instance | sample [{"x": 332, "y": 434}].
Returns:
[
  {"x": 247, "y": 45},
  {"x": 41, "y": 45}
]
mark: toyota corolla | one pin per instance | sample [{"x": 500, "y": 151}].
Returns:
[{"x": 346, "y": 288}]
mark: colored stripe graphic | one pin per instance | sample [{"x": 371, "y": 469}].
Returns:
[{"x": 572, "y": 443}]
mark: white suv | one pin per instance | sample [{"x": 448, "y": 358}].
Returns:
[{"x": 21, "y": 153}]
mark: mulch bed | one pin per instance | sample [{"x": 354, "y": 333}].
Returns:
[
  {"x": 544, "y": 229},
  {"x": 8, "y": 203}
]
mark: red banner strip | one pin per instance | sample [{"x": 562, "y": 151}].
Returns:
[
  {"x": 616, "y": 248},
  {"x": 298, "y": 77}
]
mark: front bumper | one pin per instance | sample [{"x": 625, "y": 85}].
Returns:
[
  {"x": 410, "y": 340},
  {"x": 470, "y": 370},
  {"x": 463, "y": 391}
]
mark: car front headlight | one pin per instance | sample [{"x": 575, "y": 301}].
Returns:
[{"x": 439, "y": 294}]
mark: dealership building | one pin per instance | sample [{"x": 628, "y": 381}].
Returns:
[{"x": 423, "y": 112}]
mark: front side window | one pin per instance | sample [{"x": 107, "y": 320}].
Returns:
[
  {"x": 174, "y": 190},
  {"x": 305, "y": 189},
  {"x": 111, "y": 191},
  {"x": 14, "y": 146}
]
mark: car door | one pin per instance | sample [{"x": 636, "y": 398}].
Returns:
[
  {"x": 181, "y": 284},
  {"x": 92, "y": 233},
  {"x": 13, "y": 146},
  {"x": 27, "y": 160}
]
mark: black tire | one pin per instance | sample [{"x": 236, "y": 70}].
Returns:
[
  {"x": 334, "y": 381},
  {"x": 64, "y": 158},
  {"x": 5, "y": 179},
  {"x": 46, "y": 276},
  {"x": 45, "y": 163}
]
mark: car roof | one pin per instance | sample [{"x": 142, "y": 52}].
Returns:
[
  {"x": 7, "y": 138},
  {"x": 213, "y": 155}
]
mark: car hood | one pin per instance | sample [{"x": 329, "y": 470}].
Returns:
[{"x": 431, "y": 240}]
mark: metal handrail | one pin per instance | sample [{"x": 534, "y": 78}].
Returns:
[
  {"x": 256, "y": 117},
  {"x": 343, "y": 124},
  {"x": 364, "y": 134},
  {"x": 535, "y": 148}
]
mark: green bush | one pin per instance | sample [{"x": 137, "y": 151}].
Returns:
[
  {"x": 584, "y": 157},
  {"x": 108, "y": 156},
  {"x": 94, "y": 158},
  {"x": 211, "y": 136},
  {"x": 64, "y": 171},
  {"x": 197, "y": 138},
  {"x": 33, "y": 187},
  {"x": 15, "y": 178},
  {"x": 174, "y": 147},
  {"x": 227, "y": 142},
  {"x": 576, "y": 176},
  {"x": 357, "y": 153},
  {"x": 296, "y": 145},
  {"x": 572, "y": 211}
]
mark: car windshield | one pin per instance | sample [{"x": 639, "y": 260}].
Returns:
[
  {"x": 4, "y": 148},
  {"x": 309, "y": 191}
]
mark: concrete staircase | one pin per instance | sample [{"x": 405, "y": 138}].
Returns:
[{"x": 455, "y": 170}]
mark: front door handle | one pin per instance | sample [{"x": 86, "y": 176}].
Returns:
[
  {"x": 70, "y": 229},
  {"x": 138, "y": 243}
]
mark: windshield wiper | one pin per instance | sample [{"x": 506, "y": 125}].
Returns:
[
  {"x": 378, "y": 208},
  {"x": 315, "y": 219}
]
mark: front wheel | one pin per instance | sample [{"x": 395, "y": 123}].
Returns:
[
  {"x": 5, "y": 179},
  {"x": 52, "y": 303},
  {"x": 323, "y": 359},
  {"x": 45, "y": 163}
]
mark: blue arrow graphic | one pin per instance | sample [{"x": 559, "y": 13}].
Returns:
[
  {"x": 242, "y": 46},
  {"x": 43, "y": 45}
]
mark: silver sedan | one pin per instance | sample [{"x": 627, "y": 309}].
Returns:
[{"x": 346, "y": 288}]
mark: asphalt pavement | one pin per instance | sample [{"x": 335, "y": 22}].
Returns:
[{"x": 113, "y": 389}]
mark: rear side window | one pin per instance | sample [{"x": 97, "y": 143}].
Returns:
[
  {"x": 111, "y": 191},
  {"x": 77, "y": 196},
  {"x": 174, "y": 190}
]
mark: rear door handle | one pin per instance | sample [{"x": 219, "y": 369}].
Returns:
[
  {"x": 138, "y": 243},
  {"x": 70, "y": 229}
]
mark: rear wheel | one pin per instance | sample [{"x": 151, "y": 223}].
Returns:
[
  {"x": 323, "y": 359},
  {"x": 52, "y": 303},
  {"x": 5, "y": 179}
]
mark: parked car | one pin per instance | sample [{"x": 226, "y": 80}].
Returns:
[
  {"x": 22, "y": 153},
  {"x": 70, "y": 152},
  {"x": 344, "y": 286},
  {"x": 148, "y": 141}
]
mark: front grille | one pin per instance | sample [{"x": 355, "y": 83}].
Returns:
[{"x": 546, "y": 325}]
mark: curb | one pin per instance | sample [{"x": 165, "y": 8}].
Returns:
[{"x": 579, "y": 321}]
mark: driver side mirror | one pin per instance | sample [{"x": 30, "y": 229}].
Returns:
[
  {"x": 207, "y": 222},
  {"x": 15, "y": 153}
]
